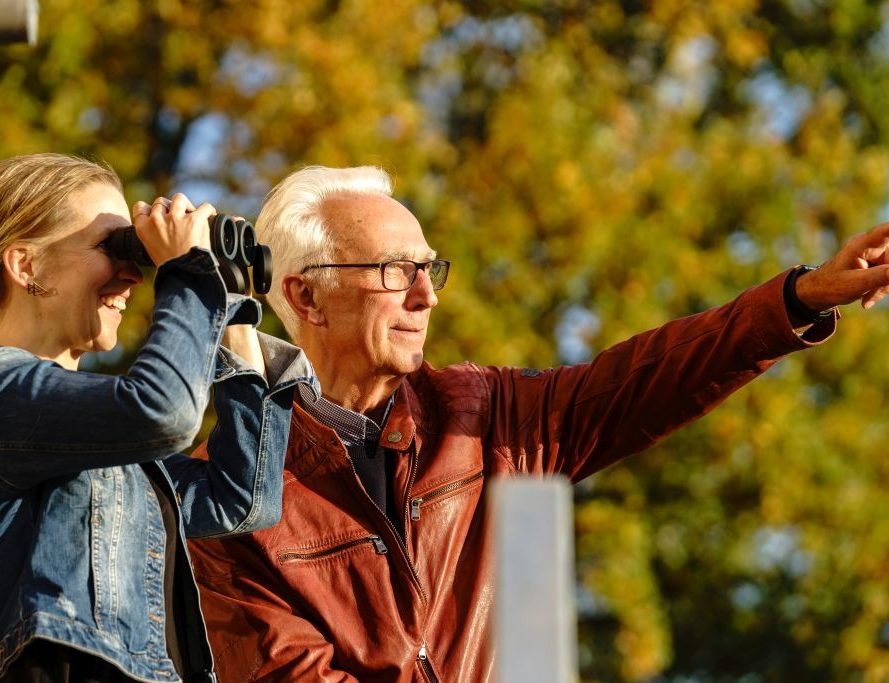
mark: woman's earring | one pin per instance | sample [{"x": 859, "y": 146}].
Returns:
[{"x": 36, "y": 289}]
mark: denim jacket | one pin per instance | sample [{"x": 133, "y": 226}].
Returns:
[{"x": 82, "y": 539}]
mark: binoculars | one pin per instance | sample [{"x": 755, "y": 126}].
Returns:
[{"x": 232, "y": 241}]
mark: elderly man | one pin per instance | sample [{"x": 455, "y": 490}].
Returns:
[{"x": 380, "y": 568}]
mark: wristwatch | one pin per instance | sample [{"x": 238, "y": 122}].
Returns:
[{"x": 796, "y": 307}]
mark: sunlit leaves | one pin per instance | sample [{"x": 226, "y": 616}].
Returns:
[{"x": 593, "y": 168}]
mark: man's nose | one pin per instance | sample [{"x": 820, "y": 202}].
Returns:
[{"x": 421, "y": 294}]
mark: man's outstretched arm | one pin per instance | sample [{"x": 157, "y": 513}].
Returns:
[{"x": 578, "y": 420}]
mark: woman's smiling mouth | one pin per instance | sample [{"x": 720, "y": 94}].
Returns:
[{"x": 116, "y": 302}]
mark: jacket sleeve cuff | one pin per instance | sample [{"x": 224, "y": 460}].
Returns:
[
  {"x": 196, "y": 266},
  {"x": 286, "y": 364},
  {"x": 239, "y": 308},
  {"x": 242, "y": 310},
  {"x": 776, "y": 330},
  {"x": 197, "y": 261}
]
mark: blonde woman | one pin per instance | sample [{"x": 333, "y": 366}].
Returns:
[{"x": 95, "y": 498}]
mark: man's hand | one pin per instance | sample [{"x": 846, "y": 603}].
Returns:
[{"x": 860, "y": 270}]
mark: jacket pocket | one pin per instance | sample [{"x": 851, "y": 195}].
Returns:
[
  {"x": 442, "y": 492},
  {"x": 290, "y": 555}
]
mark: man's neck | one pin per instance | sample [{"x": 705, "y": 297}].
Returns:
[{"x": 367, "y": 396}]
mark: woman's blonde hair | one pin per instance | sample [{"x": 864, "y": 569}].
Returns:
[{"x": 34, "y": 191}]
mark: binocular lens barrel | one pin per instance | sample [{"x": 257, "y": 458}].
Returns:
[
  {"x": 125, "y": 245},
  {"x": 232, "y": 241}
]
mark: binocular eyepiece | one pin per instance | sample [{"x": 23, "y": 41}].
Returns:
[{"x": 232, "y": 241}]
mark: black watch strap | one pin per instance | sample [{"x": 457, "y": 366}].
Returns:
[{"x": 796, "y": 307}]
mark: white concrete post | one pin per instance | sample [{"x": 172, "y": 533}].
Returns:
[{"x": 535, "y": 614}]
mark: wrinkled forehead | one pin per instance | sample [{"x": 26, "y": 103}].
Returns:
[{"x": 374, "y": 227}]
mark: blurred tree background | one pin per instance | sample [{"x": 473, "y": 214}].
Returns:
[{"x": 592, "y": 168}]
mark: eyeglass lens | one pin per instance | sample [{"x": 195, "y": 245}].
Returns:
[{"x": 399, "y": 275}]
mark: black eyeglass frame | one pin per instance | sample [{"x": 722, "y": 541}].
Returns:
[{"x": 382, "y": 268}]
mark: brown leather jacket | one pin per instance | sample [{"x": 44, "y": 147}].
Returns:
[{"x": 333, "y": 593}]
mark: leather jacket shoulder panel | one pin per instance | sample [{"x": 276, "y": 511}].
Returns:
[{"x": 454, "y": 403}]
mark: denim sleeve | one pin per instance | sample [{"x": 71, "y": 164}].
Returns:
[
  {"x": 239, "y": 488},
  {"x": 55, "y": 422}
]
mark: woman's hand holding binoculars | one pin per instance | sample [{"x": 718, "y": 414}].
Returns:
[{"x": 168, "y": 228}]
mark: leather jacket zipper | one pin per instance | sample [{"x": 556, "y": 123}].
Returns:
[
  {"x": 421, "y": 655},
  {"x": 426, "y": 665},
  {"x": 435, "y": 493},
  {"x": 379, "y": 547},
  {"x": 395, "y": 534}
]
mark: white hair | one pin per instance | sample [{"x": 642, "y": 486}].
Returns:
[{"x": 292, "y": 225}]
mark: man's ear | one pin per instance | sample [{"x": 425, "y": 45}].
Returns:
[
  {"x": 18, "y": 264},
  {"x": 300, "y": 295}
]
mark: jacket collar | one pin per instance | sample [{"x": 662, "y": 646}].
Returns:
[
  {"x": 397, "y": 433},
  {"x": 401, "y": 427}
]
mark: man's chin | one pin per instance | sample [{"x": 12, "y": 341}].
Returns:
[{"x": 408, "y": 363}]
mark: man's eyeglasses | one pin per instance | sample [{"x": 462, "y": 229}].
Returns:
[{"x": 399, "y": 275}]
